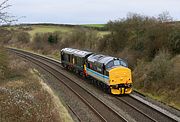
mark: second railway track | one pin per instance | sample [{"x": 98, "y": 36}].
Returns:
[
  {"x": 141, "y": 111},
  {"x": 104, "y": 112}
]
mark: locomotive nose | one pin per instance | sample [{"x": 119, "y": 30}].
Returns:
[
  {"x": 120, "y": 80},
  {"x": 120, "y": 75}
]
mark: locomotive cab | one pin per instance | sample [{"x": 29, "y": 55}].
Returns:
[
  {"x": 120, "y": 79},
  {"x": 113, "y": 72}
]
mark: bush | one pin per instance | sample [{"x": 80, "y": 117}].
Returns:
[
  {"x": 23, "y": 37},
  {"x": 159, "y": 67},
  {"x": 104, "y": 44},
  {"x": 38, "y": 41},
  {"x": 82, "y": 38},
  {"x": 174, "y": 41},
  {"x": 5, "y": 36},
  {"x": 159, "y": 78},
  {"x": 155, "y": 72},
  {"x": 53, "y": 38},
  {"x": 144, "y": 34}
]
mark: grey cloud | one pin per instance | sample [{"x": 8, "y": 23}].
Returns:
[{"x": 89, "y": 11}]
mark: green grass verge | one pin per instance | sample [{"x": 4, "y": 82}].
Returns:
[{"x": 95, "y": 25}]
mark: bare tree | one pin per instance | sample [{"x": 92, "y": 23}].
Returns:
[
  {"x": 165, "y": 17},
  {"x": 5, "y": 17}
]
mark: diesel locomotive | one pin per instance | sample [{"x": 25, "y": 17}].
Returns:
[{"x": 111, "y": 73}]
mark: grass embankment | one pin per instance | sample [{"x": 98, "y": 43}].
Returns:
[{"x": 24, "y": 96}]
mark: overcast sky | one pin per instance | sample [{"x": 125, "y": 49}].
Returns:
[{"x": 88, "y": 11}]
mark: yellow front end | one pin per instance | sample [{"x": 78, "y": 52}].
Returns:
[{"x": 120, "y": 80}]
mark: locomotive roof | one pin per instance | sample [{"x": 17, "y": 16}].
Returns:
[
  {"x": 80, "y": 53},
  {"x": 68, "y": 50},
  {"x": 76, "y": 52},
  {"x": 103, "y": 59}
]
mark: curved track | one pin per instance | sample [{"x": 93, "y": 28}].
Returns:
[
  {"x": 142, "y": 111},
  {"x": 104, "y": 112}
]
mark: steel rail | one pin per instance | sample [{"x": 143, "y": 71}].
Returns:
[
  {"x": 57, "y": 63},
  {"x": 156, "y": 108},
  {"x": 136, "y": 109},
  {"x": 50, "y": 72},
  {"x": 102, "y": 118}
]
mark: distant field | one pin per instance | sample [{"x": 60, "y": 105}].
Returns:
[
  {"x": 52, "y": 28},
  {"x": 95, "y": 25}
]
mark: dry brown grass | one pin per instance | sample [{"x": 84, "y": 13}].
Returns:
[{"x": 24, "y": 97}]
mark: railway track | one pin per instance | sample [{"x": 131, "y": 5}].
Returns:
[
  {"x": 143, "y": 111},
  {"x": 136, "y": 109},
  {"x": 104, "y": 112},
  {"x": 139, "y": 109}
]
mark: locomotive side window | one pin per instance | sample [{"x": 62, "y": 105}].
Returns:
[
  {"x": 78, "y": 61},
  {"x": 116, "y": 63},
  {"x": 66, "y": 57},
  {"x": 109, "y": 65},
  {"x": 99, "y": 67},
  {"x": 91, "y": 67},
  {"x": 88, "y": 65},
  {"x": 120, "y": 62},
  {"x": 94, "y": 68},
  {"x": 123, "y": 63}
]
